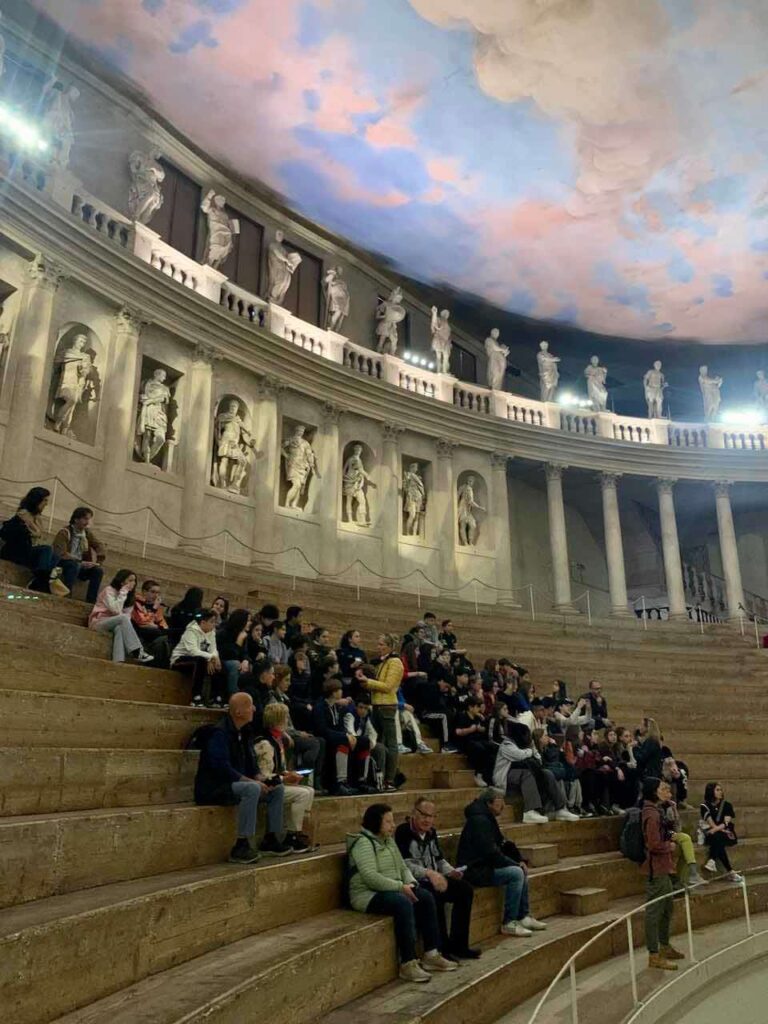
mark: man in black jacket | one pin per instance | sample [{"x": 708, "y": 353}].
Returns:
[
  {"x": 491, "y": 859},
  {"x": 418, "y": 843},
  {"x": 598, "y": 705},
  {"x": 227, "y": 774}
]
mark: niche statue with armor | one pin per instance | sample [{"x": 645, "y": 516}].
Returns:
[
  {"x": 355, "y": 481},
  {"x": 152, "y": 423},
  {"x": 234, "y": 449},
  {"x": 76, "y": 381},
  {"x": 414, "y": 501},
  {"x": 300, "y": 462},
  {"x": 467, "y": 520}
]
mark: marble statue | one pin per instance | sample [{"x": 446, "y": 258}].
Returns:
[
  {"x": 355, "y": 481},
  {"x": 597, "y": 392},
  {"x": 496, "y": 354},
  {"x": 76, "y": 381},
  {"x": 281, "y": 266},
  {"x": 760, "y": 390},
  {"x": 710, "y": 393},
  {"x": 221, "y": 230},
  {"x": 58, "y": 119},
  {"x": 441, "y": 339},
  {"x": 336, "y": 299},
  {"x": 300, "y": 460},
  {"x": 152, "y": 425},
  {"x": 414, "y": 500},
  {"x": 145, "y": 195},
  {"x": 549, "y": 374},
  {"x": 468, "y": 528},
  {"x": 654, "y": 385},
  {"x": 390, "y": 312},
  {"x": 233, "y": 449}
]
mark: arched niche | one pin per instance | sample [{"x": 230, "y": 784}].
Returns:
[
  {"x": 233, "y": 450},
  {"x": 471, "y": 509},
  {"x": 416, "y": 485},
  {"x": 74, "y": 392},
  {"x": 357, "y": 466}
]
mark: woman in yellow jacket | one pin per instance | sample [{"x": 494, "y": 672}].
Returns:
[{"x": 389, "y": 675}]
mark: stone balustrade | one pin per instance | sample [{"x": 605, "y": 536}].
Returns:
[
  {"x": 150, "y": 247},
  {"x": 243, "y": 303}
]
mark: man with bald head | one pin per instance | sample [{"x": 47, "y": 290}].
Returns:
[{"x": 227, "y": 774}]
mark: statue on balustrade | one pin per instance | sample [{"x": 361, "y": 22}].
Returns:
[
  {"x": 300, "y": 461},
  {"x": 467, "y": 506},
  {"x": 760, "y": 391},
  {"x": 336, "y": 299},
  {"x": 234, "y": 449},
  {"x": 414, "y": 500},
  {"x": 496, "y": 354},
  {"x": 597, "y": 392},
  {"x": 152, "y": 425},
  {"x": 354, "y": 486},
  {"x": 441, "y": 339},
  {"x": 145, "y": 195},
  {"x": 77, "y": 380},
  {"x": 58, "y": 119},
  {"x": 221, "y": 230},
  {"x": 654, "y": 385},
  {"x": 390, "y": 312},
  {"x": 710, "y": 392},
  {"x": 281, "y": 266},
  {"x": 549, "y": 374}
]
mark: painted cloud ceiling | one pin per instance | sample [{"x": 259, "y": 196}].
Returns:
[{"x": 601, "y": 163}]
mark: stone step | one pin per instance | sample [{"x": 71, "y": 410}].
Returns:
[
  {"x": 37, "y": 630},
  {"x": 454, "y": 778},
  {"x": 66, "y": 609},
  {"x": 731, "y": 766},
  {"x": 686, "y": 742},
  {"x": 739, "y": 791},
  {"x": 539, "y": 855},
  {"x": 585, "y": 901}
]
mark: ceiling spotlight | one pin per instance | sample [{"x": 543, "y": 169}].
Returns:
[
  {"x": 407, "y": 356},
  {"x": 422, "y": 361},
  {"x": 747, "y": 417},
  {"x": 566, "y": 398},
  {"x": 431, "y": 366}
]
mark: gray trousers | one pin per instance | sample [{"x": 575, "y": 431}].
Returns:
[
  {"x": 310, "y": 752},
  {"x": 533, "y": 800},
  {"x": 249, "y": 793},
  {"x": 124, "y": 637}
]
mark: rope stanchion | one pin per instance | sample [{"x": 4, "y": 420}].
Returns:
[
  {"x": 533, "y": 605},
  {"x": 475, "y": 592},
  {"x": 224, "y": 556},
  {"x": 53, "y": 503},
  {"x": 146, "y": 535}
]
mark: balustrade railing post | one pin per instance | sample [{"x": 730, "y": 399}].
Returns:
[
  {"x": 741, "y": 623},
  {"x": 689, "y": 926},
  {"x": 533, "y": 605},
  {"x": 747, "y": 916},
  {"x": 589, "y": 610},
  {"x": 757, "y": 634},
  {"x": 632, "y": 968},
  {"x": 574, "y": 995}
]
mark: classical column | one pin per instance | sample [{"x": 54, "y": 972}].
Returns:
[
  {"x": 500, "y": 536},
  {"x": 729, "y": 552},
  {"x": 266, "y": 426},
  {"x": 197, "y": 462},
  {"x": 614, "y": 549},
  {"x": 558, "y": 538},
  {"x": 30, "y": 350},
  {"x": 670, "y": 545},
  {"x": 444, "y": 503},
  {"x": 329, "y": 458},
  {"x": 390, "y": 504}
]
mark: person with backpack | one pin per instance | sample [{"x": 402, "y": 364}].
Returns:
[
  {"x": 718, "y": 830},
  {"x": 659, "y": 865}
]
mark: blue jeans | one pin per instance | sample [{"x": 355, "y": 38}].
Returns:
[
  {"x": 43, "y": 560},
  {"x": 515, "y": 882},
  {"x": 248, "y": 794},
  {"x": 409, "y": 918},
  {"x": 72, "y": 570},
  {"x": 232, "y": 675}
]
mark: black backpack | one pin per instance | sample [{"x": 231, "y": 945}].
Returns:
[
  {"x": 632, "y": 840},
  {"x": 200, "y": 737}
]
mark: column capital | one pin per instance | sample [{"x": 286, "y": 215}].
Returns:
[
  {"x": 270, "y": 386},
  {"x": 665, "y": 484},
  {"x": 608, "y": 480},
  {"x": 499, "y": 460},
  {"x": 130, "y": 320},
  {"x": 554, "y": 470},
  {"x": 445, "y": 447},
  {"x": 391, "y": 432},
  {"x": 722, "y": 488},
  {"x": 205, "y": 355},
  {"x": 45, "y": 272},
  {"x": 332, "y": 413}
]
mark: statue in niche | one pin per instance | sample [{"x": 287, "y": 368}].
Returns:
[
  {"x": 710, "y": 392},
  {"x": 354, "y": 486},
  {"x": 221, "y": 230},
  {"x": 152, "y": 425},
  {"x": 145, "y": 195},
  {"x": 549, "y": 374},
  {"x": 759, "y": 390},
  {"x": 496, "y": 354},
  {"x": 77, "y": 380},
  {"x": 58, "y": 119},
  {"x": 441, "y": 339},
  {"x": 390, "y": 312},
  {"x": 336, "y": 299},
  {"x": 234, "y": 449},
  {"x": 467, "y": 506},
  {"x": 597, "y": 392},
  {"x": 654, "y": 385},
  {"x": 300, "y": 461},
  {"x": 414, "y": 500},
  {"x": 281, "y": 266}
]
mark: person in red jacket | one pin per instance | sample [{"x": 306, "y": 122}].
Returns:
[{"x": 659, "y": 866}]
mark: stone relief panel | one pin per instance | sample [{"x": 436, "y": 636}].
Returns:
[
  {"x": 157, "y": 415},
  {"x": 74, "y": 392},
  {"x": 358, "y": 464},
  {"x": 415, "y": 496},
  {"x": 299, "y": 464},
  {"x": 233, "y": 446},
  {"x": 471, "y": 507}
]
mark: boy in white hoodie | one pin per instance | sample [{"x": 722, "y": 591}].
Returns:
[{"x": 196, "y": 653}]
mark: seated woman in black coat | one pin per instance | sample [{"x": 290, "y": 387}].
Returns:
[
  {"x": 718, "y": 823},
  {"x": 22, "y": 536}
]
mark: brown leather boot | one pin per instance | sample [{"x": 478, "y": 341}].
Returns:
[
  {"x": 660, "y": 963},
  {"x": 670, "y": 953}
]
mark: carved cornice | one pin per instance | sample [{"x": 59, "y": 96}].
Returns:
[
  {"x": 554, "y": 470},
  {"x": 205, "y": 355},
  {"x": 391, "y": 432},
  {"x": 332, "y": 413},
  {"x": 270, "y": 386},
  {"x": 666, "y": 485},
  {"x": 45, "y": 272},
  {"x": 499, "y": 460},
  {"x": 445, "y": 447},
  {"x": 129, "y": 320}
]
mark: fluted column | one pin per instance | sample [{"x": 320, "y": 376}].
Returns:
[
  {"x": 500, "y": 526},
  {"x": 729, "y": 552},
  {"x": 197, "y": 461},
  {"x": 266, "y": 436},
  {"x": 614, "y": 548},
  {"x": 444, "y": 503},
  {"x": 558, "y": 538},
  {"x": 330, "y": 489},
  {"x": 670, "y": 546},
  {"x": 30, "y": 351},
  {"x": 389, "y": 501}
]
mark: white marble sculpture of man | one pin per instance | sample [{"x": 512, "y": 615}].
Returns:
[
  {"x": 145, "y": 195},
  {"x": 441, "y": 339},
  {"x": 58, "y": 119},
  {"x": 234, "y": 449},
  {"x": 597, "y": 392},
  {"x": 221, "y": 230},
  {"x": 281, "y": 266},
  {"x": 710, "y": 392},
  {"x": 354, "y": 485},
  {"x": 549, "y": 374},
  {"x": 760, "y": 391},
  {"x": 654, "y": 385},
  {"x": 496, "y": 357},
  {"x": 468, "y": 528},
  {"x": 300, "y": 461},
  {"x": 75, "y": 383},
  {"x": 152, "y": 426},
  {"x": 389, "y": 313},
  {"x": 414, "y": 500},
  {"x": 336, "y": 299}
]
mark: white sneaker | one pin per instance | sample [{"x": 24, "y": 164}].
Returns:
[
  {"x": 424, "y": 749},
  {"x": 434, "y": 962},
  {"x": 534, "y": 818},
  {"x": 733, "y": 876},
  {"x": 710, "y": 865},
  {"x": 412, "y": 972},
  {"x": 515, "y": 928},
  {"x": 402, "y": 749},
  {"x": 533, "y": 925},
  {"x": 144, "y": 658},
  {"x": 480, "y": 781},
  {"x": 196, "y": 702},
  {"x": 565, "y": 815}
]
